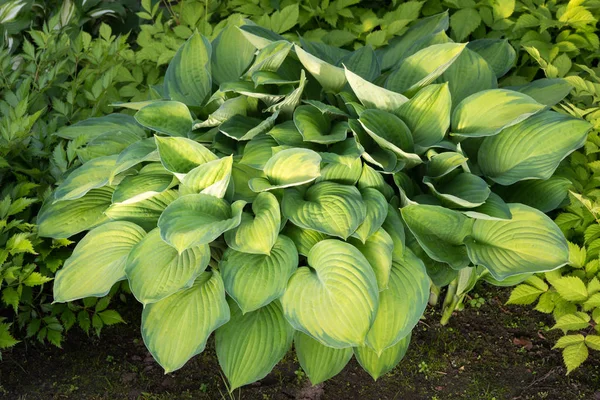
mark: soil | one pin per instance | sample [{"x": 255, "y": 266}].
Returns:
[{"x": 492, "y": 352}]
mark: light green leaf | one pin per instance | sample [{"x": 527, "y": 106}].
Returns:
[
  {"x": 249, "y": 357},
  {"x": 243, "y": 128},
  {"x": 142, "y": 151},
  {"x": 181, "y": 155},
  {"x": 91, "y": 175},
  {"x": 188, "y": 77},
  {"x": 401, "y": 305},
  {"x": 316, "y": 127},
  {"x": 376, "y": 206},
  {"x": 427, "y": 115},
  {"x": 463, "y": 190},
  {"x": 378, "y": 366},
  {"x": 494, "y": 208},
  {"x": 318, "y": 361},
  {"x": 270, "y": 57},
  {"x": 327, "y": 207},
  {"x": 574, "y": 356},
  {"x": 97, "y": 262},
  {"x": 444, "y": 163},
  {"x": 145, "y": 213},
  {"x": 524, "y": 294},
  {"x": 335, "y": 300},
  {"x": 373, "y": 96},
  {"x": 423, "y": 67},
  {"x": 176, "y": 328},
  {"x": 304, "y": 239},
  {"x": 488, "y": 112},
  {"x": 64, "y": 219},
  {"x": 463, "y": 22},
  {"x": 546, "y": 91},
  {"x": 91, "y": 128},
  {"x": 498, "y": 53},
  {"x": 571, "y": 288},
  {"x": 440, "y": 232},
  {"x": 152, "y": 180},
  {"x": 545, "y": 195},
  {"x": 290, "y": 167},
  {"x": 378, "y": 250},
  {"x": 156, "y": 270},
  {"x": 169, "y": 117},
  {"x": 331, "y": 78},
  {"x": 211, "y": 178},
  {"x": 197, "y": 219},
  {"x": 529, "y": 242},
  {"x": 532, "y": 148},
  {"x": 257, "y": 234},
  {"x": 231, "y": 55},
  {"x": 255, "y": 280}
]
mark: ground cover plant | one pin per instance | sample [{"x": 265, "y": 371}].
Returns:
[{"x": 308, "y": 193}]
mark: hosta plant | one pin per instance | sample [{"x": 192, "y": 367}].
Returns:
[{"x": 283, "y": 193}]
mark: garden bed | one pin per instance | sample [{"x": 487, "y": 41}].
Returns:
[{"x": 494, "y": 352}]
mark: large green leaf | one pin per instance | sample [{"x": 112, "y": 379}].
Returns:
[
  {"x": 106, "y": 144},
  {"x": 176, "y": 328},
  {"x": 169, "y": 117},
  {"x": 197, "y": 219},
  {"x": 304, "y": 239},
  {"x": 188, "y": 77},
  {"x": 378, "y": 366},
  {"x": 240, "y": 176},
  {"x": 181, "y": 155},
  {"x": 363, "y": 62},
  {"x": 427, "y": 115},
  {"x": 88, "y": 129},
  {"x": 257, "y": 233},
  {"x": 318, "y": 361},
  {"x": 488, "y": 112},
  {"x": 546, "y": 91},
  {"x": 156, "y": 270},
  {"x": 423, "y": 67},
  {"x": 270, "y": 57},
  {"x": 248, "y": 357},
  {"x": 376, "y": 206},
  {"x": 390, "y": 133},
  {"x": 331, "y": 78},
  {"x": 529, "y": 242},
  {"x": 327, "y": 207},
  {"x": 255, "y": 280},
  {"x": 493, "y": 208},
  {"x": 335, "y": 300},
  {"x": 401, "y": 305},
  {"x": 532, "y": 148},
  {"x": 290, "y": 167},
  {"x": 210, "y": 178},
  {"x": 444, "y": 163},
  {"x": 152, "y": 180},
  {"x": 463, "y": 190},
  {"x": 145, "y": 213},
  {"x": 91, "y": 175},
  {"x": 498, "y": 53},
  {"x": 64, "y": 219},
  {"x": 440, "y": 232},
  {"x": 373, "y": 96},
  {"x": 316, "y": 127},
  {"x": 97, "y": 262},
  {"x": 139, "y": 152},
  {"x": 378, "y": 250},
  {"x": 231, "y": 55},
  {"x": 545, "y": 195},
  {"x": 394, "y": 226}
]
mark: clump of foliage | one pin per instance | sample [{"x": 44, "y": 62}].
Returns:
[
  {"x": 57, "y": 79},
  {"x": 308, "y": 194}
]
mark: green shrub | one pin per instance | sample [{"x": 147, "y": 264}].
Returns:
[{"x": 256, "y": 167}]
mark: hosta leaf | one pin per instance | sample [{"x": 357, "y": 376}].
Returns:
[
  {"x": 91, "y": 175},
  {"x": 376, "y": 206},
  {"x": 176, "y": 328},
  {"x": 378, "y": 250},
  {"x": 532, "y": 148},
  {"x": 148, "y": 183},
  {"x": 327, "y": 207},
  {"x": 169, "y": 117},
  {"x": 181, "y": 155},
  {"x": 156, "y": 270},
  {"x": 290, "y": 167},
  {"x": 107, "y": 144},
  {"x": 257, "y": 234},
  {"x": 197, "y": 219},
  {"x": 331, "y": 78},
  {"x": 258, "y": 151},
  {"x": 240, "y": 175},
  {"x": 372, "y": 152},
  {"x": 423, "y": 67},
  {"x": 488, "y": 112},
  {"x": 463, "y": 190},
  {"x": 444, "y": 163},
  {"x": 373, "y": 96},
  {"x": 427, "y": 115},
  {"x": 229, "y": 108},
  {"x": 97, "y": 262},
  {"x": 335, "y": 300},
  {"x": 378, "y": 366},
  {"x": 188, "y": 77},
  {"x": 255, "y": 280},
  {"x": 546, "y": 91},
  {"x": 401, "y": 305},
  {"x": 317, "y": 127},
  {"x": 231, "y": 55},
  {"x": 142, "y": 151},
  {"x": 440, "y": 232},
  {"x": 91, "y": 128},
  {"x": 210, "y": 178},
  {"x": 249, "y": 357},
  {"x": 529, "y": 242},
  {"x": 304, "y": 239},
  {"x": 369, "y": 178},
  {"x": 341, "y": 173},
  {"x": 494, "y": 208},
  {"x": 545, "y": 195},
  {"x": 390, "y": 133},
  {"x": 64, "y": 219},
  {"x": 498, "y": 53},
  {"x": 270, "y": 57},
  {"x": 320, "y": 362},
  {"x": 145, "y": 213},
  {"x": 394, "y": 226},
  {"x": 241, "y": 128},
  {"x": 363, "y": 63}
]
